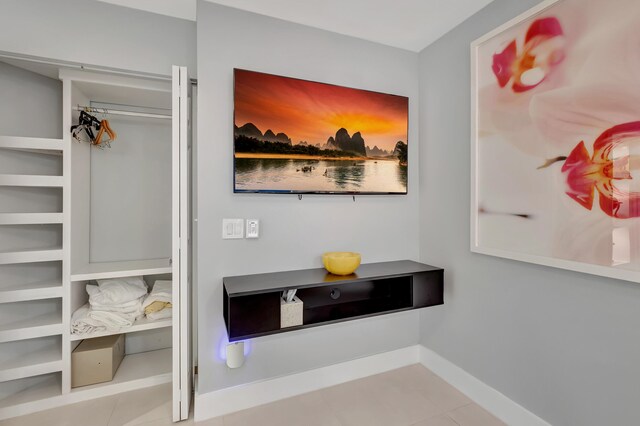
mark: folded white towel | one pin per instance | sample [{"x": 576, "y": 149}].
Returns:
[
  {"x": 116, "y": 291},
  {"x": 113, "y": 321},
  {"x": 163, "y": 313},
  {"x": 86, "y": 320},
  {"x": 81, "y": 323},
  {"x": 161, "y": 292},
  {"x": 120, "y": 307},
  {"x": 133, "y": 308}
]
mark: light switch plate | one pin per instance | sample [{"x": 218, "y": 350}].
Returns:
[
  {"x": 253, "y": 228},
  {"x": 232, "y": 229}
]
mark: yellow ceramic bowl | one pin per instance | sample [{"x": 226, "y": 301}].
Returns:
[{"x": 341, "y": 262}]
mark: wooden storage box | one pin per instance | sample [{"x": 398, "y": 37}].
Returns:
[{"x": 96, "y": 360}]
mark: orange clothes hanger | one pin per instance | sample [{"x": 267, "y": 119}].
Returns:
[{"x": 105, "y": 128}]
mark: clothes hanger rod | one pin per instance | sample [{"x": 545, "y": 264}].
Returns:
[{"x": 118, "y": 112}]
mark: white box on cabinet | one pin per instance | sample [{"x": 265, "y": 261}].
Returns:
[{"x": 291, "y": 312}]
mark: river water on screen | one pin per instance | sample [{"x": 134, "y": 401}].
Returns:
[{"x": 264, "y": 174}]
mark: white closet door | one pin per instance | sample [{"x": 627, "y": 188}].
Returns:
[{"x": 182, "y": 377}]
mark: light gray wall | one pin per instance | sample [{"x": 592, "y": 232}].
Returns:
[
  {"x": 130, "y": 204},
  {"x": 564, "y": 345},
  {"x": 30, "y": 104},
  {"x": 293, "y": 233},
  {"x": 97, "y": 33}
]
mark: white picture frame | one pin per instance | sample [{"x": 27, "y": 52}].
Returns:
[{"x": 476, "y": 245}]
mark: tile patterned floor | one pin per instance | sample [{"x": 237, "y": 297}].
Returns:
[{"x": 409, "y": 396}]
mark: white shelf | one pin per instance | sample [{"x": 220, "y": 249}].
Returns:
[
  {"x": 22, "y": 143},
  {"x": 30, "y": 218},
  {"x": 32, "y": 180},
  {"x": 136, "y": 371},
  {"x": 29, "y": 256},
  {"x": 16, "y": 403},
  {"x": 139, "y": 325},
  {"x": 97, "y": 271},
  {"x": 34, "y": 291},
  {"x": 40, "y": 326},
  {"x": 32, "y": 364}
]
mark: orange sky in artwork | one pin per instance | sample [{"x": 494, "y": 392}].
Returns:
[{"x": 311, "y": 112}]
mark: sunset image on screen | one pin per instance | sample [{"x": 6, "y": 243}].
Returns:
[{"x": 293, "y": 135}]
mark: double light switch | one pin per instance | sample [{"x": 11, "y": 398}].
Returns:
[{"x": 235, "y": 228}]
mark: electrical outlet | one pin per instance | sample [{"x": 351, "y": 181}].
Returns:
[
  {"x": 253, "y": 228},
  {"x": 232, "y": 229}
]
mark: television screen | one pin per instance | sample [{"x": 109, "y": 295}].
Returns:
[{"x": 298, "y": 136}]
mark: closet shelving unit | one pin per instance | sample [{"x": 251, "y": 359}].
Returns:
[
  {"x": 32, "y": 275},
  {"x": 124, "y": 213},
  {"x": 121, "y": 213}
]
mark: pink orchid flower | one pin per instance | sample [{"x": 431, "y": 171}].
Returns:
[
  {"x": 542, "y": 51},
  {"x": 602, "y": 170}
]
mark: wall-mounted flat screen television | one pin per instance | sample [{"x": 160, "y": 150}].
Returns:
[{"x": 302, "y": 137}]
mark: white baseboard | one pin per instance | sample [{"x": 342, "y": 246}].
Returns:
[
  {"x": 482, "y": 394},
  {"x": 226, "y": 401},
  {"x": 229, "y": 400}
]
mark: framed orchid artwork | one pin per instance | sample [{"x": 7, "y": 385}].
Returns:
[{"x": 556, "y": 138}]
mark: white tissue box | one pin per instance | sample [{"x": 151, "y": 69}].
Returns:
[{"x": 291, "y": 313}]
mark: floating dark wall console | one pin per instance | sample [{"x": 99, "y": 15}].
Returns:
[{"x": 252, "y": 302}]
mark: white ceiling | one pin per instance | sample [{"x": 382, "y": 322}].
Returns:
[
  {"x": 407, "y": 24},
  {"x": 184, "y": 9}
]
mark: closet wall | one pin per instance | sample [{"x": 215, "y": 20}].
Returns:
[
  {"x": 96, "y": 33},
  {"x": 137, "y": 218},
  {"x": 30, "y": 105}
]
